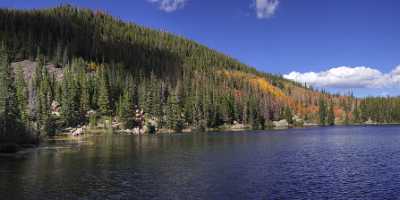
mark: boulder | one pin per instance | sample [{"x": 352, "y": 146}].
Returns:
[
  {"x": 55, "y": 107},
  {"x": 78, "y": 132},
  {"x": 370, "y": 122},
  {"x": 151, "y": 127},
  {"x": 116, "y": 125},
  {"x": 91, "y": 113},
  {"x": 310, "y": 124},
  {"x": 137, "y": 131},
  {"x": 297, "y": 119},
  {"x": 237, "y": 126},
  {"x": 282, "y": 124}
]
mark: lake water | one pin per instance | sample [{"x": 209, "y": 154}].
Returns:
[{"x": 318, "y": 163}]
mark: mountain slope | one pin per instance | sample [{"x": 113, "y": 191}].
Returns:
[{"x": 177, "y": 82}]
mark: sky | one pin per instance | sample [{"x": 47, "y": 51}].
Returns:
[{"x": 340, "y": 45}]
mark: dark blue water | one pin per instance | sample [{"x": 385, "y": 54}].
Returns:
[{"x": 321, "y": 163}]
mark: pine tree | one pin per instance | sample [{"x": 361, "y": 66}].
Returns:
[
  {"x": 331, "y": 115},
  {"x": 103, "y": 100},
  {"x": 198, "y": 112},
  {"x": 84, "y": 98},
  {"x": 3, "y": 89},
  {"x": 253, "y": 114},
  {"x": 126, "y": 109},
  {"x": 70, "y": 99},
  {"x": 229, "y": 106},
  {"x": 9, "y": 113},
  {"x": 43, "y": 101},
  {"x": 322, "y": 111},
  {"x": 356, "y": 113},
  {"x": 288, "y": 115},
  {"x": 174, "y": 118},
  {"x": 22, "y": 94}
]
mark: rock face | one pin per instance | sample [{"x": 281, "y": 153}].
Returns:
[
  {"x": 29, "y": 68},
  {"x": 282, "y": 124}
]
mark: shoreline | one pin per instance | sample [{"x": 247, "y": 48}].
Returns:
[{"x": 27, "y": 148}]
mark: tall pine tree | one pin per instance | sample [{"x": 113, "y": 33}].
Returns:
[
  {"x": 9, "y": 114},
  {"x": 322, "y": 111},
  {"x": 103, "y": 99},
  {"x": 174, "y": 117},
  {"x": 21, "y": 93},
  {"x": 331, "y": 115}
]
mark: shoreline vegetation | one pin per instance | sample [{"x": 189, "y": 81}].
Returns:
[{"x": 68, "y": 69}]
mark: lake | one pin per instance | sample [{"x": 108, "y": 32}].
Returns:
[{"x": 317, "y": 163}]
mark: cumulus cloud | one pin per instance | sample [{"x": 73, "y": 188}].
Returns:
[
  {"x": 348, "y": 77},
  {"x": 266, "y": 8},
  {"x": 169, "y": 5}
]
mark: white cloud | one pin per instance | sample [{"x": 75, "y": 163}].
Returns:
[
  {"x": 348, "y": 77},
  {"x": 266, "y": 8},
  {"x": 169, "y": 5}
]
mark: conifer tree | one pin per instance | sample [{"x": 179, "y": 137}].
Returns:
[
  {"x": 9, "y": 113},
  {"x": 322, "y": 111},
  {"x": 331, "y": 115},
  {"x": 229, "y": 106},
  {"x": 288, "y": 115},
  {"x": 103, "y": 99},
  {"x": 70, "y": 99},
  {"x": 126, "y": 109},
  {"x": 3, "y": 89},
  {"x": 356, "y": 113},
  {"x": 84, "y": 98},
  {"x": 174, "y": 120},
  {"x": 43, "y": 100},
  {"x": 253, "y": 114},
  {"x": 22, "y": 94}
]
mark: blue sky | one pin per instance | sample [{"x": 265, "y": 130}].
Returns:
[{"x": 339, "y": 45}]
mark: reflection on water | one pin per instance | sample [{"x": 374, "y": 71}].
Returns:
[{"x": 321, "y": 163}]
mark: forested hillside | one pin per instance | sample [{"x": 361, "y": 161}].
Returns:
[{"x": 94, "y": 66}]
